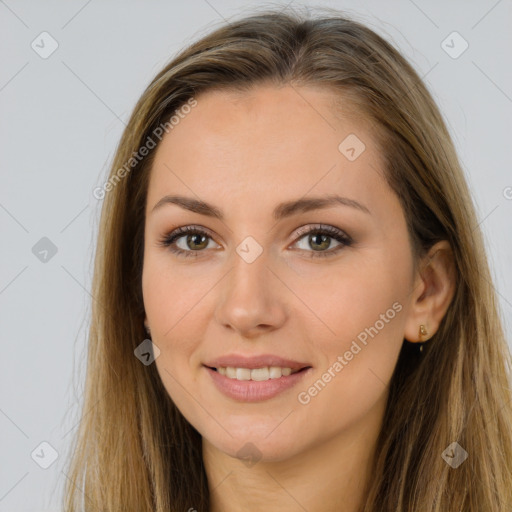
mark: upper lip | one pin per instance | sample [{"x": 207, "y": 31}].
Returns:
[{"x": 259, "y": 361}]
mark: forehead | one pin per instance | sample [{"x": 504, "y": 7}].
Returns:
[{"x": 269, "y": 142}]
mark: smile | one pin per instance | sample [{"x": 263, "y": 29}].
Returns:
[
  {"x": 258, "y": 374},
  {"x": 255, "y": 384}
]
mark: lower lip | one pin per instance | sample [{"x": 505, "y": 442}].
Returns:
[{"x": 255, "y": 391}]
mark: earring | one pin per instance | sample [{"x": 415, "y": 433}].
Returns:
[
  {"x": 422, "y": 332},
  {"x": 147, "y": 330}
]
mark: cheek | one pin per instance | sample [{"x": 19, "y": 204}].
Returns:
[
  {"x": 175, "y": 299},
  {"x": 358, "y": 295},
  {"x": 172, "y": 293},
  {"x": 362, "y": 308}
]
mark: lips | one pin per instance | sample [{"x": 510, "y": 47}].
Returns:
[
  {"x": 255, "y": 378},
  {"x": 254, "y": 390},
  {"x": 252, "y": 362}
]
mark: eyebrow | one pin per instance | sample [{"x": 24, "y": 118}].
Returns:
[{"x": 282, "y": 210}]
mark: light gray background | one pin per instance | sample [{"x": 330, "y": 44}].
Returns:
[{"x": 61, "y": 119}]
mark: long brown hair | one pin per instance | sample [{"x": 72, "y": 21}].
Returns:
[{"x": 135, "y": 451}]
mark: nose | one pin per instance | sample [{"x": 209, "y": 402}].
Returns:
[{"x": 252, "y": 300}]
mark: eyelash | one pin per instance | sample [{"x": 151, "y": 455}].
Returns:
[{"x": 330, "y": 231}]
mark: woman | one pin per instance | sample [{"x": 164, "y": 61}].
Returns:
[{"x": 287, "y": 220}]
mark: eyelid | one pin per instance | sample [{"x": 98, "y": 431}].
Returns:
[{"x": 331, "y": 230}]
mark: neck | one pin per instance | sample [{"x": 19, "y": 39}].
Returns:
[{"x": 329, "y": 476}]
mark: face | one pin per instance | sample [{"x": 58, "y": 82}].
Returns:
[{"x": 260, "y": 281}]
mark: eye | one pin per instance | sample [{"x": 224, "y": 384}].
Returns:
[
  {"x": 319, "y": 238},
  {"x": 195, "y": 239}
]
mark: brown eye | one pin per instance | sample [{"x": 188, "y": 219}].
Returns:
[
  {"x": 187, "y": 241},
  {"x": 319, "y": 239},
  {"x": 196, "y": 241}
]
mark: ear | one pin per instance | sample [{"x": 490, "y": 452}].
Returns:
[{"x": 434, "y": 287}]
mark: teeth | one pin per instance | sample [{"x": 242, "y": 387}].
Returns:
[
  {"x": 275, "y": 372},
  {"x": 257, "y": 374},
  {"x": 243, "y": 374}
]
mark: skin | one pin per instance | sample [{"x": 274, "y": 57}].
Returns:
[{"x": 245, "y": 153}]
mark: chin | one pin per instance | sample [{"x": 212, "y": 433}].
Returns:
[{"x": 251, "y": 449}]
